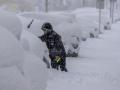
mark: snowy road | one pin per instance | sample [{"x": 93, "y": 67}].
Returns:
[{"x": 97, "y": 68}]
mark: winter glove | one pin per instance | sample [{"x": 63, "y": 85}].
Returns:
[{"x": 57, "y": 59}]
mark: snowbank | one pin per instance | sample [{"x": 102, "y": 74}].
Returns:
[
  {"x": 11, "y": 79},
  {"x": 19, "y": 70},
  {"x": 36, "y": 71},
  {"x": 34, "y": 67},
  {"x": 35, "y": 27},
  {"x": 31, "y": 43},
  {"x": 11, "y": 52},
  {"x": 11, "y": 22},
  {"x": 11, "y": 63}
]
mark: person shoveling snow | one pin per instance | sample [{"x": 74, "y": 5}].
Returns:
[{"x": 55, "y": 46}]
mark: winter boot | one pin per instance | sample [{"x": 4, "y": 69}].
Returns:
[{"x": 63, "y": 68}]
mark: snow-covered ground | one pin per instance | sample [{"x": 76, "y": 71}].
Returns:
[{"x": 97, "y": 68}]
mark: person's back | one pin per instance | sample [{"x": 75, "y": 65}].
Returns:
[
  {"x": 53, "y": 40},
  {"x": 55, "y": 46}
]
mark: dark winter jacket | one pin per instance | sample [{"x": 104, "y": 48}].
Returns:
[{"x": 54, "y": 43}]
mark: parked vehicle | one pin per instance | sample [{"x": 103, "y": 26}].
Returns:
[{"x": 73, "y": 47}]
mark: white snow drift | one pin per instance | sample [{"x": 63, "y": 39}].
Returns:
[
  {"x": 34, "y": 66},
  {"x": 31, "y": 43},
  {"x": 36, "y": 71},
  {"x": 11, "y": 52},
  {"x": 11, "y": 22},
  {"x": 11, "y": 79},
  {"x": 19, "y": 70},
  {"x": 11, "y": 63}
]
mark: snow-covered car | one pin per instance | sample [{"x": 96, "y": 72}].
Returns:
[
  {"x": 73, "y": 47},
  {"x": 88, "y": 17},
  {"x": 88, "y": 28}
]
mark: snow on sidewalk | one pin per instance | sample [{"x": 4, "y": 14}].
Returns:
[{"x": 97, "y": 68}]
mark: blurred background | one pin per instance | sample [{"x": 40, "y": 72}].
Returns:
[{"x": 51, "y": 5}]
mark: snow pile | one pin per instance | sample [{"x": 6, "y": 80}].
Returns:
[
  {"x": 11, "y": 52},
  {"x": 31, "y": 43},
  {"x": 30, "y": 40},
  {"x": 19, "y": 70},
  {"x": 11, "y": 79},
  {"x": 11, "y": 22},
  {"x": 34, "y": 67},
  {"x": 11, "y": 63},
  {"x": 36, "y": 71},
  {"x": 35, "y": 27}
]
